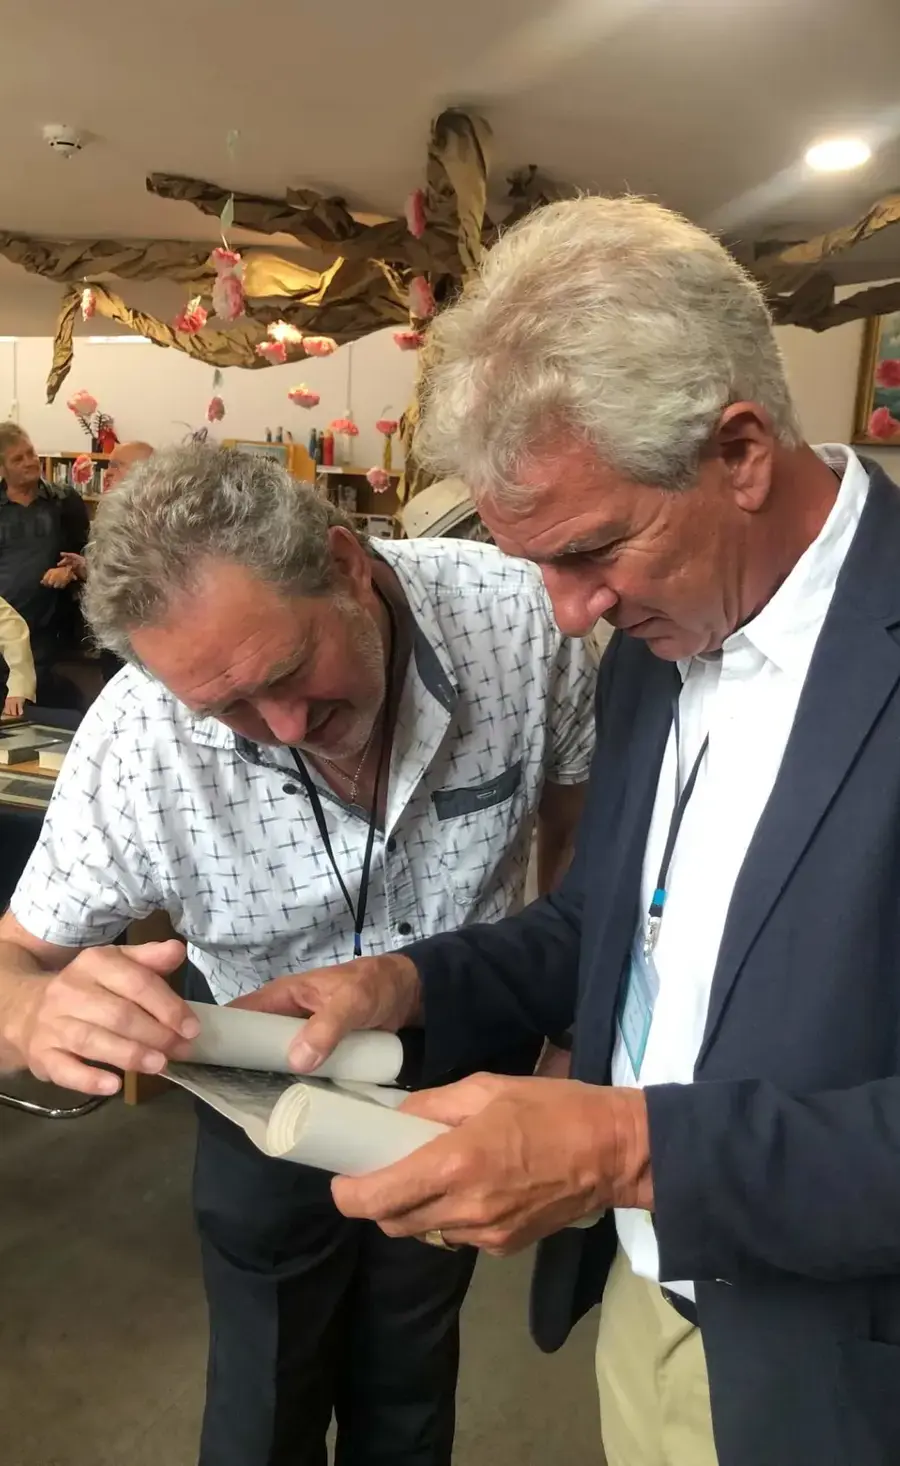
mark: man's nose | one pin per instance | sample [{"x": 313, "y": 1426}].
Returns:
[
  {"x": 577, "y": 608},
  {"x": 288, "y": 723}
]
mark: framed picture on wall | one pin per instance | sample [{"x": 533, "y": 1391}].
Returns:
[{"x": 878, "y": 393}]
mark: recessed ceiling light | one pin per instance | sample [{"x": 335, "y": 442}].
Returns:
[
  {"x": 118, "y": 340},
  {"x": 838, "y": 154}
]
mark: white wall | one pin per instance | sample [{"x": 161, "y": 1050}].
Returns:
[
  {"x": 823, "y": 370},
  {"x": 152, "y": 392}
]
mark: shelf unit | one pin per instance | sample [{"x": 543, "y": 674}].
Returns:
[
  {"x": 52, "y": 462},
  {"x": 349, "y": 490}
]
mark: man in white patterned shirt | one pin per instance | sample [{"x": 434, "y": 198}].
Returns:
[{"x": 338, "y": 748}]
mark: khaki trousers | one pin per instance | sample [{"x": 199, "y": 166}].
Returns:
[{"x": 651, "y": 1374}]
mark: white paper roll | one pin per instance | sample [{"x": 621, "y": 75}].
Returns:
[{"x": 239, "y": 1038}]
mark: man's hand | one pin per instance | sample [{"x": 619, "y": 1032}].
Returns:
[
  {"x": 370, "y": 992},
  {"x": 14, "y": 707},
  {"x": 526, "y": 1157},
  {"x": 111, "y": 1005},
  {"x": 76, "y": 563},
  {"x": 59, "y": 577}
]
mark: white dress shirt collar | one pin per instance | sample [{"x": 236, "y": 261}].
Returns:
[{"x": 786, "y": 628}]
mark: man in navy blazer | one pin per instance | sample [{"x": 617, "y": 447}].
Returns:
[{"x": 726, "y": 946}]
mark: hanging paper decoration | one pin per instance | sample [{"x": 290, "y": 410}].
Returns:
[
  {"x": 380, "y": 479},
  {"x": 319, "y": 345},
  {"x": 284, "y": 332},
  {"x": 273, "y": 351},
  {"x": 388, "y": 427},
  {"x": 88, "y": 303},
  {"x": 304, "y": 396},
  {"x": 82, "y": 470},
  {"x": 409, "y": 340},
  {"x": 228, "y": 291},
  {"x": 193, "y": 318},
  {"x": 415, "y": 213},
  {"x": 82, "y": 404},
  {"x": 345, "y": 426},
  {"x": 216, "y": 410},
  {"x": 421, "y": 298}
]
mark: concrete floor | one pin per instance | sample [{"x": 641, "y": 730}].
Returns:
[{"x": 102, "y": 1323}]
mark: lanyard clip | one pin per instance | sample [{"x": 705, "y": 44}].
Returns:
[{"x": 651, "y": 935}]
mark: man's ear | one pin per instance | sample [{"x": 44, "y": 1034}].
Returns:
[
  {"x": 745, "y": 444},
  {"x": 353, "y": 565}
]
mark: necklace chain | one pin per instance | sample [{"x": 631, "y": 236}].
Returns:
[{"x": 354, "y": 782}]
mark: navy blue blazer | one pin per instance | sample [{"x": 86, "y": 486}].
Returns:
[{"x": 777, "y": 1173}]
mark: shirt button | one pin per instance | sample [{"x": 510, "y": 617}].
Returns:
[
  {"x": 404, "y": 929},
  {"x": 290, "y": 788},
  {"x": 391, "y": 845}
]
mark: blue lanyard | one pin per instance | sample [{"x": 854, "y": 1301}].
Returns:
[{"x": 682, "y": 800}]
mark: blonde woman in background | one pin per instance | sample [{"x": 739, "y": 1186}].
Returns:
[{"x": 15, "y": 648}]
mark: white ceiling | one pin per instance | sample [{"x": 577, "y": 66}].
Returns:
[{"x": 707, "y": 104}]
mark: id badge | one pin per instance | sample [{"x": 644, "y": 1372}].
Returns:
[{"x": 637, "y": 1003}]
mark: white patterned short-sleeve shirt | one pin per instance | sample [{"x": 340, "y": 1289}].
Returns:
[{"x": 158, "y": 809}]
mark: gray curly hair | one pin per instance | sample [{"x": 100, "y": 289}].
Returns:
[{"x": 188, "y": 505}]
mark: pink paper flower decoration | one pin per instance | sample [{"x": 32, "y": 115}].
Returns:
[
  {"x": 273, "y": 351},
  {"x": 387, "y": 425},
  {"x": 284, "y": 332},
  {"x": 409, "y": 340},
  {"x": 887, "y": 373},
  {"x": 82, "y": 404},
  {"x": 346, "y": 426},
  {"x": 882, "y": 424},
  {"x": 421, "y": 298},
  {"x": 193, "y": 318},
  {"x": 82, "y": 469},
  {"x": 225, "y": 260},
  {"x": 88, "y": 303},
  {"x": 319, "y": 345},
  {"x": 216, "y": 410},
  {"x": 379, "y": 478},
  {"x": 304, "y": 396},
  {"x": 415, "y": 213},
  {"x": 228, "y": 298}
]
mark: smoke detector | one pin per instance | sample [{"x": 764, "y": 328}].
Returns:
[{"x": 63, "y": 140}]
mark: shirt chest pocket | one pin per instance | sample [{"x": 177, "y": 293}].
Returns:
[{"x": 482, "y": 832}]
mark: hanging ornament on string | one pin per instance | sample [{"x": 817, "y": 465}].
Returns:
[
  {"x": 345, "y": 426},
  {"x": 82, "y": 470},
  {"x": 285, "y": 333},
  {"x": 88, "y": 303},
  {"x": 304, "y": 396},
  {"x": 215, "y": 409},
  {"x": 379, "y": 479},
  {"x": 319, "y": 345},
  {"x": 192, "y": 318},
  {"x": 409, "y": 340},
  {"x": 387, "y": 426},
  {"x": 228, "y": 300},
  {"x": 274, "y": 352}
]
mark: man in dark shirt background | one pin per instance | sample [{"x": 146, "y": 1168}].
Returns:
[{"x": 38, "y": 523}]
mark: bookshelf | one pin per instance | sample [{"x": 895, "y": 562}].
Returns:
[
  {"x": 349, "y": 490},
  {"x": 56, "y": 468}
]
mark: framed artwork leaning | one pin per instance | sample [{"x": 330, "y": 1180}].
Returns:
[{"x": 877, "y": 420}]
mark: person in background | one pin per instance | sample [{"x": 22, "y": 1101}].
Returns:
[
  {"x": 39, "y": 523},
  {"x": 15, "y": 652},
  {"x": 122, "y": 458},
  {"x": 335, "y": 744}
]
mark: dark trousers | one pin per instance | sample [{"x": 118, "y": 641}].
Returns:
[{"x": 313, "y": 1315}]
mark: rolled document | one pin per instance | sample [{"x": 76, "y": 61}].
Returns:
[{"x": 238, "y": 1038}]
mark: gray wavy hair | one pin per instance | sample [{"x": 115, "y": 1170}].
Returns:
[
  {"x": 186, "y": 506},
  {"x": 610, "y": 319}
]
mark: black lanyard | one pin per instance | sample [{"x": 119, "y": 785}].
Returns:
[
  {"x": 682, "y": 800},
  {"x": 357, "y": 912}
]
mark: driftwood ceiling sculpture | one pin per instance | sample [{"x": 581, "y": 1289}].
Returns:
[{"x": 367, "y": 269}]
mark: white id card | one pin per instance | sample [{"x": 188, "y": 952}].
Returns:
[{"x": 637, "y": 1002}]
